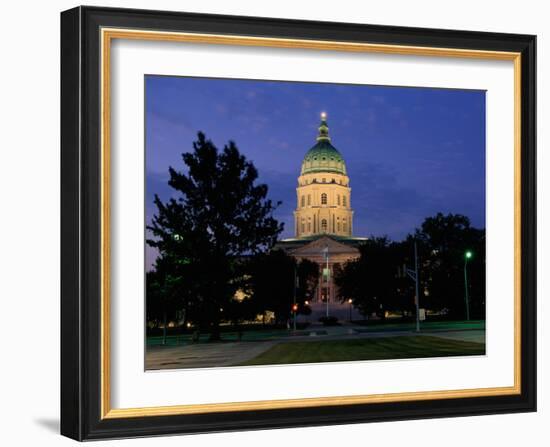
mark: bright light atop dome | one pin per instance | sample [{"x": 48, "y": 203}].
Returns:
[{"x": 323, "y": 115}]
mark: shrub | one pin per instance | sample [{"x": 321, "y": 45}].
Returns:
[{"x": 329, "y": 321}]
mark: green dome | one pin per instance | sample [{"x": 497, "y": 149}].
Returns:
[{"x": 323, "y": 157}]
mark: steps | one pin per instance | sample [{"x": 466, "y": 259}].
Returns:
[{"x": 338, "y": 310}]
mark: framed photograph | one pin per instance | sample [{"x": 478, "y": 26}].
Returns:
[{"x": 275, "y": 223}]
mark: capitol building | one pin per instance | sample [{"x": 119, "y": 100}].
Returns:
[
  {"x": 323, "y": 192},
  {"x": 323, "y": 218}
]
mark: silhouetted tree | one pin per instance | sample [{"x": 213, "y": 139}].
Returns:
[
  {"x": 165, "y": 294},
  {"x": 370, "y": 280},
  {"x": 272, "y": 285},
  {"x": 376, "y": 280},
  {"x": 307, "y": 273},
  {"x": 444, "y": 240},
  {"x": 217, "y": 215}
]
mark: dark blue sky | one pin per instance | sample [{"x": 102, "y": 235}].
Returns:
[{"x": 410, "y": 152}]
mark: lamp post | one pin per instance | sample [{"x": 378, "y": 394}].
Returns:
[
  {"x": 413, "y": 274},
  {"x": 294, "y": 305},
  {"x": 294, "y": 312},
  {"x": 417, "y": 301},
  {"x": 327, "y": 279},
  {"x": 467, "y": 256},
  {"x": 350, "y": 301}
]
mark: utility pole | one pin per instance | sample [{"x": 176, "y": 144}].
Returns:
[
  {"x": 417, "y": 297},
  {"x": 294, "y": 305},
  {"x": 327, "y": 276},
  {"x": 413, "y": 274},
  {"x": 467, "y": 256}
]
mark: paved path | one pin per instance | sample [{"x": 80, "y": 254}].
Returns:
[
  {"x": 212, "y": 355},
  {"x": 204, "y": 355},
  {"x": 477, "y": 336}
]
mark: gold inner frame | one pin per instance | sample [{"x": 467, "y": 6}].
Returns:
[{"x": 107, "y": 35}]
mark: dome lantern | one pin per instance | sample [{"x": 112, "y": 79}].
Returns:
[{"x": 323, "y": 157}]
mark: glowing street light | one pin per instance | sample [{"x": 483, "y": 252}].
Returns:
[
  {"x": 350, "y": 301},
  {"x": 467, "y": 256}
]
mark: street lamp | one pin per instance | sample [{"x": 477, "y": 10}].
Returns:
[
  {"x": 467, "y": 256},
  {"x": 413, "y": 274},
  {"x": 294, "y": 304},
  {"x": 327, "y": 273},
  {"x": 350, "y": 301}
]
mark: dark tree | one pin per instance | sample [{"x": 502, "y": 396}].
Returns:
[
  {"x": 443, "y": 242},
  {"x": 307, "y": 273},
  {"x": 370, "y": 281},
  {"x": 272, "y": 284},
  {"x": 217, "y": 215},
  {"x": 275, "y": 278},
  {"x": 165, "y": 294}
]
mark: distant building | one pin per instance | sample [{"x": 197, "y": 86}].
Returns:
[{"x": 323, "y": 219}]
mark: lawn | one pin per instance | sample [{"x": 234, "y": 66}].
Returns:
[
  {"x": 429, "y": 326},
  {"x": 254, "y": 333},
  {"x": 250, "y": 335},
  {"x": 384, "y": 348}
]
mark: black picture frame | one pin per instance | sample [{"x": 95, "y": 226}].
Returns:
[{"x": 81, "y": 224}]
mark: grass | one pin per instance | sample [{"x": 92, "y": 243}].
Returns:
[
  {"x": 255, "y": 333},
  {"x": 383, "y": 348},
  {"x": 434, "y": 326},
  {"x": 252, "y": 335}
]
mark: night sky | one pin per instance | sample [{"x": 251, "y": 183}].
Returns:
[{"x": 409, "y": 152}]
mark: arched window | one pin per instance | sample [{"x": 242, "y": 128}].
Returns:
[
  {"x": 345, "y": 226},
  {"x": 309, "y": 226},
  {"x": 303, "y": 201},
  {"x": 324, "y": 225},
  {"x": 338, "y": 223},
  {"x": 344, "y": 201},
  {"x": 323, "y": 199},
  {"x": 308, "y": 199},
  {"x": 338, "y": 199}
]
